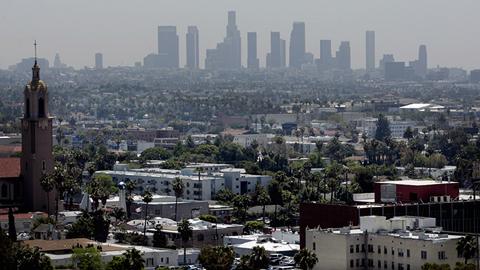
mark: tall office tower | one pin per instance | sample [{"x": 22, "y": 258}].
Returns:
[
  {"x": 193, "y": 59},
  {"x": 283, "y": 53},
  {"x": 387, "y": 58},
  {"x": 227, "y": 54},
  {"x": 37, "y": 144},
  {"x": 370, "y": 51},
  {"x": 274, "y": 58},
  {"x": 343, "y": 56},
  {"x": 252, "y": 59},
  {"x": 326, "y": 59},
  {"x": 98, "y": 61},
  {"x": 168, "y": 47},
  {"x": 422, "y": 64},
  {"x": 297, "y": 45}
]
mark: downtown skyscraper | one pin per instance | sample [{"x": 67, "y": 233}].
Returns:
[
  {"x": 343, "y": 56},
  {"x": 193, "y": 48},
  {"x": 370, "y": 51},
  {"x": 326, "y": 59},
  {"x": 227, "y": 54},
  {"x": 276, "y": 56},
  {"x": 297, "y": 45},
  {"x": 422, "y": 64},
  {"x": 168, "y": 55},
  {"x": 252, "y": 58}
]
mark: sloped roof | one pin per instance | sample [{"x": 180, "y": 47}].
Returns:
[{"x": 9, "y": 167}]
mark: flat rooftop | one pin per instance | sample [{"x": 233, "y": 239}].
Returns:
[{"x": 411, "y": 182}]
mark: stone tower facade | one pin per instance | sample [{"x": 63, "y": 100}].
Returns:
[{"x": 37, "y": 142}]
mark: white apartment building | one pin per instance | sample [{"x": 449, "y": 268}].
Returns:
[
  {"x": 368, "y": 126},
  {"x": 246, "y": 140},
  {"x": 400, "y": 243},
  {"x": 198, "y": 186}
]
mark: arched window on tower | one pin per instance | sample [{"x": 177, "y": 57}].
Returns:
[
  {"x": 4, "y": 191},
  {"x": 41, "y": 107},
  {"x": 27, "y": 108}
]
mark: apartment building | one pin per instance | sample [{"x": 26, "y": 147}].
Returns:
[{"x": 400, "y": 243}]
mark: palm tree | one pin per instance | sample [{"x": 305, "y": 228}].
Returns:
[
  {"x": 47, "y": 183},
  {"x": 185, "y": 233},
  {"x": 147, "y": 198},
  {"x": 258, "y": 259},
  {"x": 467, "y": 246},
  {"x": 129, "y": 187},
  {"x": 263, "y": 199},
  {"x": 134, "y": 259},
  {"x": 100, "y": 188},
  {"x": 305, "y": 259},
  {"x": 178, "y": 187},
  {"x": 119, "y": 214}
]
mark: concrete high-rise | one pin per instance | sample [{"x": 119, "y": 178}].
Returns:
[
  {"x": 168, "y": 47},
  {"x": 276, "y": 57},
  {"x": 422, "y": 64},
  {"x": 370, "y": 51},
  {"x": 227, "y": 54},
  {"x": 326, "y": 59},
  {"x": 297, "y": 45},
  {"x": 98, "y": 61},
  {"x": 37, "y": 144},
  {"x": 193, "y": 48},
  {"x": 252, "y": 59},
  {"x": 343, "y": 56}
]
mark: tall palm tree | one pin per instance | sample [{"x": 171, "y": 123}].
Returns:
[
  {"x": 129, "y": 187},
  {"x": 134, "y": 259},
  {"x": 147, "y": 198},
  {"x": 47, "y": 183},
  {"x": 305, "y": 259},
  {"x": 263, "y": 199},
  {"x": 185, "y": 233},
  {"x": 178, "y": 188},
  {"x": 467, "y": 246}
]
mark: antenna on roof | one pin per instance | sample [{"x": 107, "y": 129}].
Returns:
[{"x": 35, "y": 46}]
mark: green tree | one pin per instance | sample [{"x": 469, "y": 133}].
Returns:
[
  {"x": 178, "y": 189},
  {"x": 208, "y": 218},
  {"x": 467, "y": 247},
  {"x": 258, "y": 259},
  {"x": 275, "y": 192},
  {"x": 408, "y": 134},
  {"x": 87, "y": 258},
  {"x": 240, "y": 204},
  {"x": 434, "y": 266},
  {"x": 48, "y": 183},
  {"x": 159, "y": 238},
  {"x": 185, "y": 233},
  {"x": 119, "y": 214},
  {"x": 100, "y": 188},
  {"x": 305, "y": 259},
  {"x": 155, "y": 153},
  {"x": 262, "y": 198},
  {"x": 216, "y": 258},
  {"x": 134, "y": 259},
  {"x": 383, "y": 132},
  {"x": 462, "y": 266},
  {"x": 254, "y": 226},
  {"x": 147, "y": 198}
]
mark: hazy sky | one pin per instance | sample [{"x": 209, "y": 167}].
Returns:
[{"x": 125, "y": 30}]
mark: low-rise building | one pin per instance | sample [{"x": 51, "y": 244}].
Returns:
[
  {"x": 23, "y": 221},
  {"x": 401, "y": 243},
  {"x": 244, "y": 244},
  {"x": 60, "y": 252}
]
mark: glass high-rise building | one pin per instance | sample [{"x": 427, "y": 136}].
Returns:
[
  {"x": 297, "y": 45},
  {"x": 193, "y": 48},
  {"x": 168, "y": 47},
  {"x": 370, "y": 51},
  {"x": 252, "y": 58}
]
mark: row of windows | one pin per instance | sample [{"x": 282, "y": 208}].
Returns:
[
  {"x": 400, "y": 251},
  {"x": 370, "y": 262}
]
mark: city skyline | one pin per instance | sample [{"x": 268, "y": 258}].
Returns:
[{"x": 348, "y": 25}]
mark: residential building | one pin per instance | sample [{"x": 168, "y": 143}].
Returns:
[
  {"x": 241, "y": 183},
  {"x": 246, "y": 140},
  {"x": 23, "y": 221},
  {"x": 60, "y": 252},
  {"x": 402, "y": 243}
]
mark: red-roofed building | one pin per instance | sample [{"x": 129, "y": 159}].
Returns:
[
  {"x": 23, "y": 221},
  {"x": 10, "y": 181}
]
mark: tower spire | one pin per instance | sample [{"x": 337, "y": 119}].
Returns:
[{"x": 36, "y": 68}]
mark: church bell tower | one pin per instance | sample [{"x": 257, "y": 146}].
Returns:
[{"x": 37, "y": 142}]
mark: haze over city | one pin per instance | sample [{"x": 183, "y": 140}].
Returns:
[{"x": 125, "y": 31}]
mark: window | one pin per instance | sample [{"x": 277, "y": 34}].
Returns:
[
  {"x": 408, "y": 253},
  {"x": 423, "y": 254},
  {"x": 168, "y": 260},
  {"x": 44, "y": 166},
  {"x": 379, "y": 249},
  {"x": 314, "y": 247},
  {"x": 441, "y": 255},
  {"x": 408, "y": 266},
  {"x": 370, "y": 248},
  {"x": 357, "y": 248},
  {"x": 393, "y": 266},
  {"x": 4, "y": 190},
  {"x": 357, "y": 262},
  {"x": 41, "y": 107},
  {"x": 385, "y": 264},
  {"x": 393, "y": 251},
  {"x": 400, "y": 266},
  {"x": 363, "y": 248},
  {"x": 351, "y": 248},
  {"x": 400, "y": 252},
  {"x": 370, "y": 263},
  {"x": 385, "y": 250},
  {"x": 363, "y": 262},
  {"x": 150, "y": 262},
  {"x": 379, "y": 264},
  {"x": 351, "y": 264}
]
